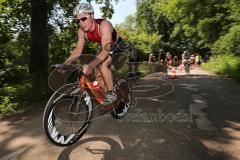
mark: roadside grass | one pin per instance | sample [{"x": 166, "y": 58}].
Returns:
[
  {"x": 227, "y": 65},
  {"x": 143, "y": 68}
]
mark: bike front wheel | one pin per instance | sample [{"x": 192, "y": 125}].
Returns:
[{"x": 67, "y": 116}]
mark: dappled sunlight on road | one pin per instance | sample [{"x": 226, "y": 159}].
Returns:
[{"x": 227, "y": 143}]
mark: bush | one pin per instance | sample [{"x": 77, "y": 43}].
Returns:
[
  {"x": 7, "y": 105},
  {"x": 144, "y": 69},
  {"x": 13, "y": 97},
  {"x": 228, "y": 65}
]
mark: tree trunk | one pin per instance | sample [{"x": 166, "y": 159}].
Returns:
[{"x": 38, "y": 65}]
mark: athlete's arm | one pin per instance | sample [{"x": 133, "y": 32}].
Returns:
[{"x": 78, "y": 49}]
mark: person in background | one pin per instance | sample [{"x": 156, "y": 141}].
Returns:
[
  {"x": 192, "y": 59},
  {"x": 169, "y": 59},
  {"x": 197, "y": 60},
  {"x": 162, "y": 58},
  {"x": 151, "y": 59},
  {"x": 175, "y": 61}
]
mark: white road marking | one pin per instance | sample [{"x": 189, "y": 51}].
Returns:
[{"x": 202, "y": 120}]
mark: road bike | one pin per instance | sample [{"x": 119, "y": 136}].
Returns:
[{"x": 72, "y": 107}]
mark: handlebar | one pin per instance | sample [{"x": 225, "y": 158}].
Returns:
[{"x": 66, "y": 67}]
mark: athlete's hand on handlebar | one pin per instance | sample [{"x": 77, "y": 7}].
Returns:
[{"x": 62, "y": 68}]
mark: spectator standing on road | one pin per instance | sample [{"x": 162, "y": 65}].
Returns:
[
  {"x": 151, "y": 59},
  {"x": 175, "y": 61},
  {"x": 197, "y": 60},
  {"x": 169, "y": 59},
  {"x": 162, "y": 58},
  {"x": 192, "y": 59}
]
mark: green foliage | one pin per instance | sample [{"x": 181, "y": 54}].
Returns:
[
  {"x": 12, "y": 97},
  {"x": 235, "y": 9},
  {"x": 15, "y": 15},
  {"x": 7, "y": 106},
  {"x": 121, "y": 73},
  {"x": 228, "y": 43},
  {"x": 225, "y": 64},
  {"x": 202, "y": 22},
  {"x": 145, "y": 16},
  {"x": 144, "y": 40},
  {"x": 16, "y": 97},
  {"x": 129, "y": 23},
  {"x": 144, "y": 69}
]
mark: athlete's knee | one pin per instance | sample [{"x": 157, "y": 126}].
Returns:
[
  {"x": 104, "y": 67},
  {"x": 106, "y": 63}
]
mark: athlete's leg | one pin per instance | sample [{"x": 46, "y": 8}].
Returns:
[
  {"x": 99, "y": 78},
  {"x": 107, "y": 73}
]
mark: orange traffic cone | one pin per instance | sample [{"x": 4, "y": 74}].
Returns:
[{"x": 172, "y": 74}]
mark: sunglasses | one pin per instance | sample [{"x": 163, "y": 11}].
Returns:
[{"x": 82, "y": 19}]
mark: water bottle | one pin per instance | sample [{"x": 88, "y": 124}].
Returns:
[{"x": 98, "y": 91}]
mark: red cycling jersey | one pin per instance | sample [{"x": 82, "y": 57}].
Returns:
[{"x": 95, "y": 36}]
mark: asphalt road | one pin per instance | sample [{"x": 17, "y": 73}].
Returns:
[{"x": 193, "y": 117}]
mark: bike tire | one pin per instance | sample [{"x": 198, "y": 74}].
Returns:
[
  {"x": 123, "y": 91},
  {"x": 133, "y": 78},
  {"x": 50, "y": 121}
]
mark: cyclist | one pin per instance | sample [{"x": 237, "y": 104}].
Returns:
[
  {"x": 186, "y": 60},
  {"x": 151, "y": 59},
  {"x": 99, "y": 31},
  {"x": 169, "y": 59},
  {"x": 192, "y": 59},
  {"x": 175, "y": 61}
]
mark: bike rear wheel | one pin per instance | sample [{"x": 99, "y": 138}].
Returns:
[
  {"x": 123, "y": 91},
  {"x": 67, "y": 117},
  {"x": 133, "y": 78}
]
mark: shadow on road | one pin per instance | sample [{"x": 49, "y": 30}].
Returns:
[
  {"x": 20, "y": 131},
  {"x": 115, "y": 148}
]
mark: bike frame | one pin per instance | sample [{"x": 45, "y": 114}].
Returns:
[{"x": 85, "y": 83}]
